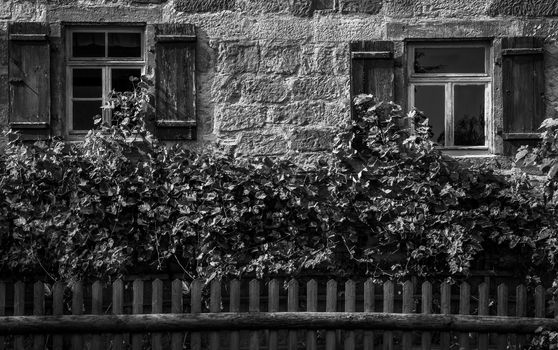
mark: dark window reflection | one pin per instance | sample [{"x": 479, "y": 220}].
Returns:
[
  {"x": 431, "y": 100},
  {"x": 87, "y": 83},
  {"x": 124, "y": 44},
  {"x": 450, "y": 60},
  {"x": 120, "y": 80},
  {"x": 88, "y": 44},
  {"x": 84, "y": 112},
  {"x": 469, "y": 115}
]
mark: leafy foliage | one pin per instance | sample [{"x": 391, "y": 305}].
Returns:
[{"x": 388, "y": 204}]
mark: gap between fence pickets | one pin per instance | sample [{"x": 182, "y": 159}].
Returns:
[{"x": 141, "y": 323}]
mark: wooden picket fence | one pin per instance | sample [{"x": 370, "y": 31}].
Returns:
[{"x": 285, "y": 315}]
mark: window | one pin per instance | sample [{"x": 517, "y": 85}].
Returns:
[
  {"x": 451, "y": 83},
  {"x": 100, "y": 60}
]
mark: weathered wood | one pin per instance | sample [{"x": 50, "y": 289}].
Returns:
[
  {"x": 273, "y": 306},
  {"x": 117, "y": 309},
  {"x": 142, "y": 323},
  {"x": 2, "y": 308},
  {"x": 464, "y": 309},
  {"x": 426, "y": 292},
  {"x": 539, "y": 301},
  {"x": 311, "y": 306},
  {"x": 292, "y": 306},
  {"x": 156, "y": 308},
  {"x": 97, "y": 309},
  {"x": 57, "y": 309},
  {"x": 196, "y": 289},
  {"x": 214, "y": 306},
  {"x": 254, "y": 306},
  {"x": 137, "y": 308},
  {"x": 502, "y": 310},
  {"x": 520, "y": 311},
  {"x": 19, "y": 309},
  {"x": 77, "y": 309},
  {"x": 350, "y": 306},
  {"x": 389, "y": 295},
  {"x": 234, "y": 306},
  {"x": 38, "y": 310},
  {"x": 177, "y": 307},
  {"x": 373, "y": 69},
  {"x": 331, "y": 306},
  {"x": 407, "y": 308},
  {"x": 445, "y": 308},
  {"x": 369, "y": 305},
  {"x": 483, "y": 311}
]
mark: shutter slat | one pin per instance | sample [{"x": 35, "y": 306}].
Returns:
[{"x": 373, "y": 69}]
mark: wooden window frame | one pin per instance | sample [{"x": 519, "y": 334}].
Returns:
[
  {"x": 449, "y": 80},
  {"x": 106, "y": 64}
]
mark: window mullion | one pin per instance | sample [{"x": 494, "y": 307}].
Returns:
[{"x": 449, "y": 114}]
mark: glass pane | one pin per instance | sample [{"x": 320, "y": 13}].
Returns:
[
  {"x": 124, "y": 44},
  {"x": 449, "y": 60},
  {"x": 120, "y": 78},
  {"x": 431, "y": 100},
  {"x": 469, "y": 115},
  {"x": 88, "y": 44},
  {"x": 83, "y": 113},
  {"x": 87, "y": 82}
]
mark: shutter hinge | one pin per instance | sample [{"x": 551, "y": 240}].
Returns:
[{"x": 372, "y": 55}]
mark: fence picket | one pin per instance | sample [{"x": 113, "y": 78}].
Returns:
[
  {"x": 540, "y": 301},
  {"x": 137, "y": 308},
  {"x": 156, "y": 308},
  {"x": 311, "y": 306},
  {"x": 502, "y": 310},
  {"x": 214, "y": 306},
  {"x": 292, "y": 306},
  {"x": 38, "y": 310},
  {"x": 234, "y": 306},
  {"x": 254, "y": 306},
  {"x": 520, "y": 311},
  {"x": 118, "y": 309},
  {"x": 389, "y": 295},
  {"x": 407, "y": 308},
  {"x": 19, "y": 310},
  {"x": 97, "y": 309},
  {"x": 331, "y": 306},
  {"x": 369, "y": 303},
  {"x": 57, "y": 309},
  {"x": 196, "y": 289},
  {"x": 483, "y": 310},
  {"x": 350, "y": 306},
  {"x": 177, "y": 307},
  {"x": 445, "y": 308},
  {"x": 464, "y": 309},
  {"x": 2, "y": 309},
  {"x": 426, "y": 292},
  {"x": 273, "y": 306},
  {"x": 77, "y": 309}
]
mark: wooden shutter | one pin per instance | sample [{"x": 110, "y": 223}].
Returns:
[
  {"x": 175, "y": 89},
  {"x": 373, "y": 69},
  {"x": 29, "y": 79},
  {"x": 523, "y": 90}
]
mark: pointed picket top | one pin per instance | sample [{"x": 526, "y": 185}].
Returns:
[
  {"x": 426, "y": 292},
  {"x": 254, "y": 296},
  {"x": 350, "y": 296},
  {"x": 234, "y": 300},
  {"x": 331, "y": 296},
  {"x": 369, "y": 296},
  {"x": 502, "y": 304},
  {"x": 273, "y": 295},
  {"x": 292, "y": 295},
  {"x": 312, "y": 296},
  {"x": 389, "y": 294},
  {"x": 215, "y": 296},
  {"x": 408, "y": 302}
]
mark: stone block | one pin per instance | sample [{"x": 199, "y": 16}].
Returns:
[
  {"x": 6, "y": 10},
  {"x": 313, "y": 139},
  {"x": 348, "y": 28},
  {"x": 267, "y": 89},
  {"x": 301, "y": 7},
  {"x": 240, "y": 117},
  {"x": 323, "y": 5},
  {"x": 259, "y": 6},
  {"x": 363, "y": 6},
  {"x": 226, "y": 88},
  {"x": 297, "y": 113},
  {"x": 281, "y": 28},
  {"x": 204, "y": 5},
  {"x": 238, "y": 57},
  {"x": 532, "y": 8},
  {"x": 325, "y": 59},
  {"x": 317, "y": 88},
  {"x": 261, "y": 143},
  {"x": 453, "y": 29},
  {"x": 282, "y": 58},
  {"x": 337, "y": 114}
]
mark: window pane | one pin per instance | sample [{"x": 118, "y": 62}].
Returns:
[
  {"x": 87, "y": 83},
  {"x": 83, "y": 113},
  {"x": 88, "y": 44},
  {"x": 124, "y": 44},
  {"x": 431, "y": 100},
  {"x": 450, "y": 60},
  {"x": 469, "y": 115},
  {"x": 120, "y": 78}
]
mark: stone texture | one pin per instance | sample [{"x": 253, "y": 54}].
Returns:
[
  {"x": 453, "y": 29},
  {"x": 282, "y": 58},
  {"x": 226, "y": 88},
  {"x": 345, "y": 29},
  {"x": 238, "y": 57},
  {"x": 531, "y": 8},
  {"x": 261, "y": 143},
  {"x": 297, "y": 113},
  {"x": 204, "y": 5},
  {"x": 325, "y": 59},
  {"x": 301, "y": 7},
  {"x": 258, "y": 6},
  {"x": 313, "y": 88},
  {"x": 364, "y": 6},
  {"x": 80, "y": 13},
  {"x": 266, "y": 89},
  {"x": 282, "y": 28},
  {"x": 3, "y": 51},
  {"x": 240, "y": 117},
  {"x": 312, "y": 139},
  {"x": 435, "y": 8},
  {"x": 6, "y": 10}
]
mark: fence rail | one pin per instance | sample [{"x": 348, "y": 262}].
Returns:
[{"x": 274, "y": 314}]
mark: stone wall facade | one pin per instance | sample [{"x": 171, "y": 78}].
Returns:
[{"x": 273, "y": 76}]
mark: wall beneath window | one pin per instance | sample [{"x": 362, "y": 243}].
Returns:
[{"x": 273, "y": 76}]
